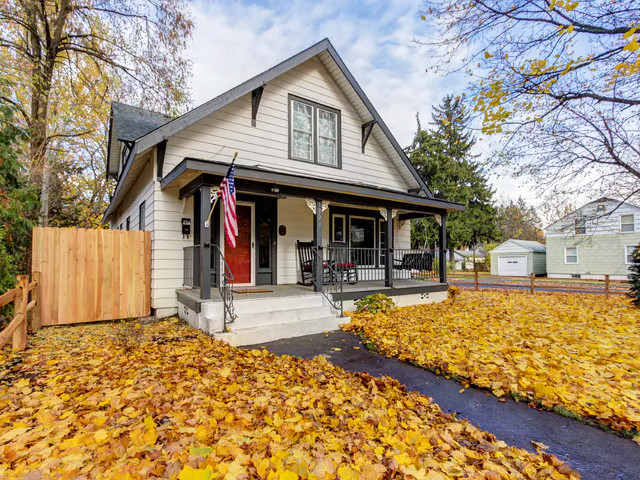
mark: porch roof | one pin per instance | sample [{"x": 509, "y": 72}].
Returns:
[{"x": 191, "y": 173}]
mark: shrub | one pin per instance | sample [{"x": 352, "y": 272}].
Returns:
[{"x": 375, "y": 303}]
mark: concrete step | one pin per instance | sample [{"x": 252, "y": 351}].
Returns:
[
  {"x": 269, "y": 333},
  {"x": 276, "y": 317},
  {"x": 245, "y": 306}
]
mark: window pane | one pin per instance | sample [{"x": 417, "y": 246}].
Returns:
[
  {"x": 626, "y": 223},
  {"x": 327, "y": 124},
  {"x": 302, "y": 117},
  {"x": 629, "y": 252},
  {"x": 302, "y": 145},
  {"x": 327, "y": 151},
  {"x": 572, "y": 259},
  {"x": 338, "y": 229}
]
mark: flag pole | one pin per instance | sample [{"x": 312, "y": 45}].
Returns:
[{"x": 208, "y": 222}]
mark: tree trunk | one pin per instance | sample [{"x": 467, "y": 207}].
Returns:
[{"x": 452, "y": 258}]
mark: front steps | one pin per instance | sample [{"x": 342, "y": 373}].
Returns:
[{"x": 261, "y": 320}]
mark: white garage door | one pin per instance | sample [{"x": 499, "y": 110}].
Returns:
[{"x": 512, "y": 266}]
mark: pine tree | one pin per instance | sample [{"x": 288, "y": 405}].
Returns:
[
  {"x": 442, "y": 155},
  {"x": 18, "y": 203},
  {"x": 634, "y": 277}
]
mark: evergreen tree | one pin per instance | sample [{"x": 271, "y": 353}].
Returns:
[
  {"x": 634, "y": 277},
  {"x": 442, "y": 156},
  {"x": 18, "y": 203}
]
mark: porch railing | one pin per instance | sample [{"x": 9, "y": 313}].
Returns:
[
  {"x": 191, "y": 266},
  {"x": 333, "y": 277},
  {"x": 225, "y": 285},
  {"x": 369, "y": 264}
]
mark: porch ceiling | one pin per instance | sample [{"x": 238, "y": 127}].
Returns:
[{"x": 191, "y": 173}]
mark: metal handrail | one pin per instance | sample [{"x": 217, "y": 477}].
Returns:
[
  {"x": 334, "y": 283},
  {"x": 225, "y": 287}
]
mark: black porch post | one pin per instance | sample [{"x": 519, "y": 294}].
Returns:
[
  {"x": 205, "y": 243},
  {"x": 443, "y": 249},
  {"x": 388, "y": 240},
  {"x": 317, "y": 241}
]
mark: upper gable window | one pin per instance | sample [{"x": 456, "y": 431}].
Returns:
[
  {"x": 627, "y": 224},
  {"x": 580, "y": 226},
  {"x": 314, "y": 132}
]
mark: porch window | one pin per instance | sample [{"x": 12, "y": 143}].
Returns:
[
  {"x": 338, "y": 229},
  {"x": 627, "y": 224},
  {"x": 314, "y": 132},
  {"x": 571, "y": 255},
  {"x": 362, "y": 240}
]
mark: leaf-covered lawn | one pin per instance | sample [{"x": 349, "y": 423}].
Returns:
[
  {"x": 178, "y": 404},
  {"x": 573, "y": 351}
]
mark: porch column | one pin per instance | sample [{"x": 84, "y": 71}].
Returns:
[
  {"x": 317, "y": 241},
  {"x": 205, "y": 243},
  {"x": 443, "y": 249},
  {"x": 388, "y": 240}
]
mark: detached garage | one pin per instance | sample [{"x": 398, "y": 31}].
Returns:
[{"x": 519, "y": 258}]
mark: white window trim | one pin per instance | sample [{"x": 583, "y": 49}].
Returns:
[
  {"x": 625, "y": 253},
  {"x": 577, "y": 257},
  {"x": 633, "y": 222},
  {"x": 344, "y": 228}
]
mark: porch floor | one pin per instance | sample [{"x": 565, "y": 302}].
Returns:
[{"x": 350, "y": 292}]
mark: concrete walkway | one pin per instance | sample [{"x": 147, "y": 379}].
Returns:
[{"x": 596, "y": 454}]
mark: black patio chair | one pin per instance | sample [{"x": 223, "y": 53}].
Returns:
[{"x": 308, "y": 264}]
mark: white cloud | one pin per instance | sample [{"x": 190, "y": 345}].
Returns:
[{"x": 234, "y": 41}]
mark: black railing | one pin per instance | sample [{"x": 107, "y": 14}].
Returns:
[
  {"x": 415, "y": 264},
  {"x": 332, "y": 278},
  {"x": 225, "y": 285},
  {"x": 369, "y": 264},
  {"x": 191, "y": 266}
]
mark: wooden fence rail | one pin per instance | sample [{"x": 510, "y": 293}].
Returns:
[{"x": 17, "y": 327}]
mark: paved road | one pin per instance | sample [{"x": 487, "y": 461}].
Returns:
[
  {"x": 596, "y": 454},
  {"x": 526, "y": 287}
]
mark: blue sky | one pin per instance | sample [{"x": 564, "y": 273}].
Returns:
[{"x": 234, "y": 40}]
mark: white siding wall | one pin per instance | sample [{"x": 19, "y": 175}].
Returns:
[
  {"x": 167, "y": 255},
  {"x": 142, "y": 191},
  {"x": 294, "y": 214},
  {"x": 402, "y": 234},
  {"x": 266, "y": 145}
]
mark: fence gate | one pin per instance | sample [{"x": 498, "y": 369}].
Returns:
[{"x": 90, "y": 274}]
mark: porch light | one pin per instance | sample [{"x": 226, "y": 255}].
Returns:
[{"x": 275, "y": 189}]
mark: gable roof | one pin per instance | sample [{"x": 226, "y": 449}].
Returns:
[
  {"x": 131, "y": 123},
  {"x": 619, "y": 203},
  {"x": 327, "y": 53},
  {"x": 528, "y": 245}
]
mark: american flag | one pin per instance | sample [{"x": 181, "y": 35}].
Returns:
[{"x": 228, "y": 192}]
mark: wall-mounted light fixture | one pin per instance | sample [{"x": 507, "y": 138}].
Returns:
[{"x": 275, "y": 189}]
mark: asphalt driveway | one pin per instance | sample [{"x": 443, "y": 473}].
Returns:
[{"x": 596, "y": 454}]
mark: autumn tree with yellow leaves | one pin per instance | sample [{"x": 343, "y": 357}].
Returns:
[
  {"x": 65, "y": 60},
  {"x": 558, "y": 81}
]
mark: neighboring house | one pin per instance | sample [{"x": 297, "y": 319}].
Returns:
[
  {"x": 319, "y": 177},
  {"x": 596, "y": 240},
  {"x": 464, "y": 259},
  {"x": 518, "y": 258}
]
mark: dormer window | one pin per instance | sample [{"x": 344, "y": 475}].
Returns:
[{"x": 314, "y": 132}]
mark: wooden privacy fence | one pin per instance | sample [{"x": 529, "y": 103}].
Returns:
[
  {"x": 21, "y": 306},
  {"x": 91, "y": 274}
]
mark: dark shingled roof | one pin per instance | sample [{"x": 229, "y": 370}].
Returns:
[{"x": 132, "y": 122}]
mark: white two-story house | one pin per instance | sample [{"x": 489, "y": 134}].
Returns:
[
  {"x": 325, "y": 195},
  {"x": 596, "y": 240}
]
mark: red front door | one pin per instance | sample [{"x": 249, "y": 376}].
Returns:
[{"x": 239, "y": 258}]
